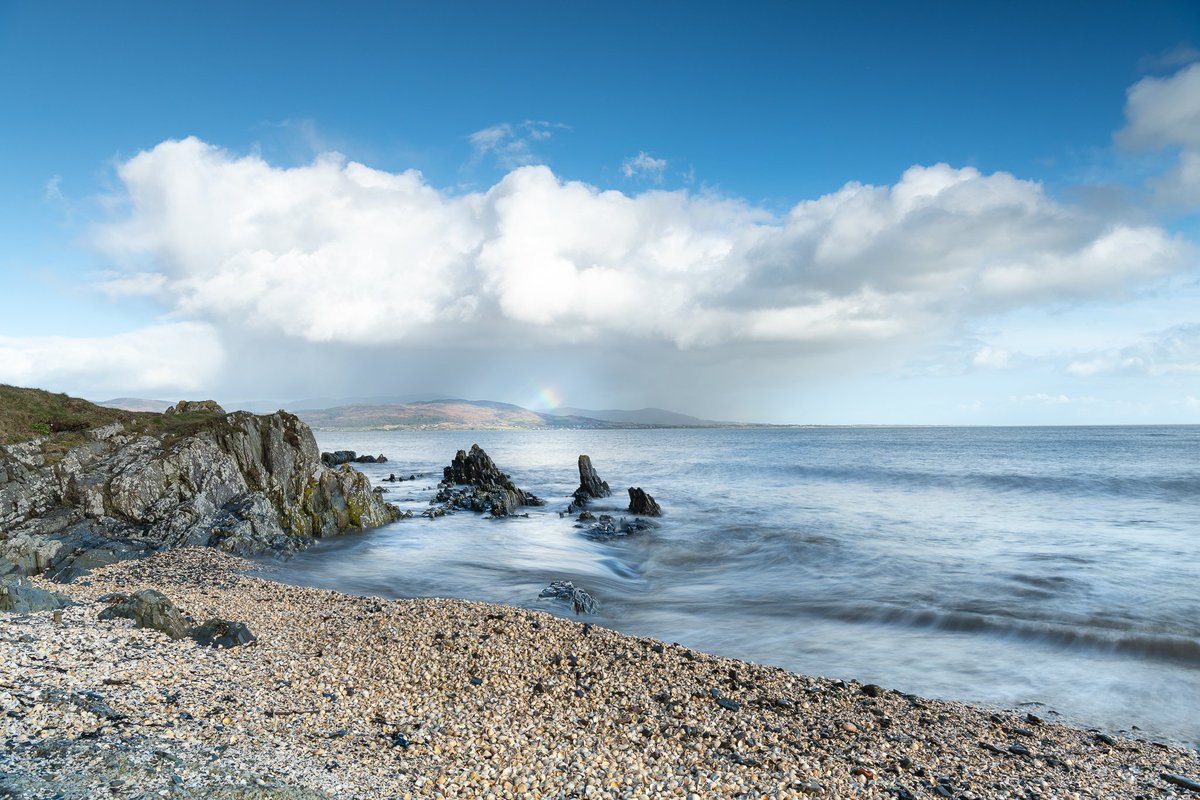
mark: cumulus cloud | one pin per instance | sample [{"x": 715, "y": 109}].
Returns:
[
  {"x": 175, "y": 356},
  {"x": 1175, "y": 351},
  {"x": 1165, "y": 113},
  {"x": 335, "y": 251},
  {"x": 644, "y": 166}
]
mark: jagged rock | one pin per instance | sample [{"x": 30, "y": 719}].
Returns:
[
  {"x": 379, "y": 459},
  {"x": 19, "y": 596},
  {"x": 487, "y": 487},
  {"x": 219, "y": 632},
  {"x": 581, "y": 601},
  {"x": 642, "y": 503},
  {"x": 248, "y": 484},
  {"x": 191, "y": 406},
  {"x": 149, "y": 608},
  {"x": 590, "y": 485}
]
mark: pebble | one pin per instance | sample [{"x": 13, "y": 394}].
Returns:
[{"x": 349, "y": 697}]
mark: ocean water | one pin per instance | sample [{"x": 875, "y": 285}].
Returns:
[{"x": 1052, "y": 569}]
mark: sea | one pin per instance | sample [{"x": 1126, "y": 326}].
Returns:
[{"x": 1052, "y": 570}]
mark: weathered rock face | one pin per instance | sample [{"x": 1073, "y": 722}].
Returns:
[
  {"x": 245, "y": 483},
  {"x": 219, "y": 632},
  {"x": 487, "y": 487},
  {"x": 590, "y": 485},
  {"x": 642, "y": 503}
]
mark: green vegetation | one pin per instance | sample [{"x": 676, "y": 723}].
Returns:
[{"x": 31, "y": 413}]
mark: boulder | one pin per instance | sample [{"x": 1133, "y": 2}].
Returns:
[
  {"x": 581, "y": 601},
  {"x": 149, "y": 608},
  {"x": 642, "y": 503},
  {"x": 219, "y": 632},
  {"x": 193, "y": 406},
  {"x": 19, "y": 596},
  {"x": 590, "y": 485}
]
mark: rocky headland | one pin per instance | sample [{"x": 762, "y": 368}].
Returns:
[{"x": 79, "y": 497}]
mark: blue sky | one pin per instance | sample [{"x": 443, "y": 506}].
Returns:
[{"x": 852, "y": 213}]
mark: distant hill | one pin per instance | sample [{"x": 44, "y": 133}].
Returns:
[
  {"x": 323, "y": 403},
  {"x": 136, "y": 404},
  {"x": 444, "y": 415},
  {"x": 434, "y": 412},
  {"x": 643, "y": 416}
]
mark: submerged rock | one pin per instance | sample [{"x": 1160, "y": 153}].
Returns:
[
  {"x": 487, "y": 488},
  {"x": 581, "y": 601},
  {"x": 19, "y": 596},
  {"x": 607, "y": 527},
  {"x": 149, "y": 608},
  {"x": 642, "y": 503}
]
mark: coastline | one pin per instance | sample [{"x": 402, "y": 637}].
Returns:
[{"x": 345, "y": 696}]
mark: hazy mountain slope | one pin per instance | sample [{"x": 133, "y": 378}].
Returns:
[{"x": 643, "y": 416}]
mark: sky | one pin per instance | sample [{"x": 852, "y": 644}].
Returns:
[{"x": 786, "y": 212}]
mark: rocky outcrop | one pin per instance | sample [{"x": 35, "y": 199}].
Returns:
[
  {"x": 486, "y": 487},
  {"x": 590, "y": 485},
  {"x": 642, "y": 503},
  {"x": 245, "y": 483},
  {"x": 194, "y": 406}
]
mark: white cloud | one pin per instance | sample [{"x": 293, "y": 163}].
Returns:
[
  {"x": 1175, "y": 351},
  {"x": 336, "y": 251},
  {"x": 644, "y": 165},
  {"x": 1192, "y": 402},
  {"x": 176, "y": 356},
  {"x": 1165, "y": 112}
]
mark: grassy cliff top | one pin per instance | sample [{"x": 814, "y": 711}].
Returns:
[{"x": 29, "y": 413}]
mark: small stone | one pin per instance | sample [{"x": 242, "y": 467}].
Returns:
[
  {"x": 728, "y": 704},
  {"x": 871, "y": 690},
  {"x": 849, "y": 727}
]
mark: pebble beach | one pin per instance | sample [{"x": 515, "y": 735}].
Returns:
[{"x": 359, "y": 697}]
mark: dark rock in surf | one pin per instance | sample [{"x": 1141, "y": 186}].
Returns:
[
  {"x": 642, "y": 503},
  {"x": 581, "y": 601},
  {"x": 338, "y": 457},
  {"x": 590, "y": 484},
  {"x": 487, "y": 488}
]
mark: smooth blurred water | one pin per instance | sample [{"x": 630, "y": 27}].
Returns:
[{"x": 997, "y": 565}]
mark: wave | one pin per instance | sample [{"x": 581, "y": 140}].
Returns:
[
  {"x": 1181, "y": 650},
  {"x": 1175, "y": 487}
]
